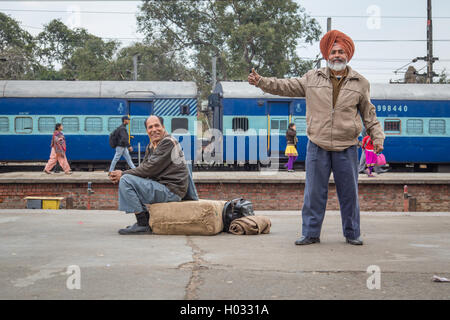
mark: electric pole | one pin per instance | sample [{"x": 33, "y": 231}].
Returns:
[
  {"x": 430, "y": 58},
  {"x": 135, "y": 64},
  {"x": 214, "y": 71},
  {"x": 319, "y": 61}
]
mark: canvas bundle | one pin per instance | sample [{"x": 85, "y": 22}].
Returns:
[{"x": 202, "y": 217}]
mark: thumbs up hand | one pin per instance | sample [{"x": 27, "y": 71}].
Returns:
[{"x": 253, "y": 77}]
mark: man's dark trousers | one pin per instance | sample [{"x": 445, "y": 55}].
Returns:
[{"x": 319, "y": 164}]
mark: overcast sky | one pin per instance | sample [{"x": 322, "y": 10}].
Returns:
[{"x": 369, "y": 22}]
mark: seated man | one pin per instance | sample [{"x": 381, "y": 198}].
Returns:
[{"x": 161, "y": 177}]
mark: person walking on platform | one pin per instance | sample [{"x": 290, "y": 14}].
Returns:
[
  {"x": 58, "y": 151},
  {"x": 362, "y": 161},
  {"x": 371, "y": 157},
  {"x": 337, "y": 97},
  {"x": 291, "y": 147},
  {"x": 161, "y": 177},
  {"x": 123, "y": 145}
]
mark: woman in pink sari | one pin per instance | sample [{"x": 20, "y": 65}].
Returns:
[{"x": 58, "y": 153}]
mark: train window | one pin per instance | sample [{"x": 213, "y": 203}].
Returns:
[
  {"x": 23, "y": 124},
  {"x": 437, "y": 126},
  {"x": 392, "y": 126},
  {"x": 240, "y": 124},
  {"x": 300, "y": 125},
  {"x": 113, "y": 123},
  {"x": 414, "y": 126},
  {"x": 180, "y": 123},
  {"x": 138, "y": 126},
  {"x": 70, "y": 124},
  {"x": 184, "y": 109},
  {"x": 46, "y": 124},
  {"x": 4, "y": 124},
  {"x": 278, "y": 125},
  {"x": 93, "y": 124}
]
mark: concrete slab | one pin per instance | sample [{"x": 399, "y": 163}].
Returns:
[{"x": 38, "y": 246}]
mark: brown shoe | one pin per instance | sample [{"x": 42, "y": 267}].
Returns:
[
  {"x": 47, "y": 172},
  {"x": 68, "y": 172}
]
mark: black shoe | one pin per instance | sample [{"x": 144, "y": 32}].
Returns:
[
  {"x": 305, "y": 240},
  {"x": 356, "y": 242},
  {"x": 136, "y": 229}
]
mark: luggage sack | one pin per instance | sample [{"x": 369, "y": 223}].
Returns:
[
  {"x": 235, "y": 209},
  {"x": 202, "y": 217}
]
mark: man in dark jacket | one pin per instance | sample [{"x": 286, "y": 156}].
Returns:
[
  {"x": 123, "y": 145},
  {"x": 161, "y": 177}
]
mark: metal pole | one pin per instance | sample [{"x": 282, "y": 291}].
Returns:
[
  {"x": 429, "y": 45},
  {"x": 139, "y": 153},
  {"x": 214, "y": 61},
  {"x": 135, "y": 73},
  {"x": 319, "y": 63}
]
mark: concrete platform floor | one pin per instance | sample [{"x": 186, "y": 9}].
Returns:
[{"x": 38, "y": 246}]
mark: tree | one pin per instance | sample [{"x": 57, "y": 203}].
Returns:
[
  {"x": 443, "y": 77},
  {"x": 16, "y": 50},
  {"x": 73, "y": 54},
  {"x": 91, "y": 61},
  {"x": 57, "y": 43},
  {"x": 242, "y": 34},
  {"x": 156, "y": 62}
]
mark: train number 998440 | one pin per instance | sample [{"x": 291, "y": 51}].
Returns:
[{"x": 389, "y": 108}]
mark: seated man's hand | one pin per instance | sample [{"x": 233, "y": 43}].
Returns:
[{"x": 115, "y": 176}]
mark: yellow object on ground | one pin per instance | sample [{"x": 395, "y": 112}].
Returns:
[{"x": 47, "y": 202}]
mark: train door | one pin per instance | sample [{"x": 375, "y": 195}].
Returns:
[
  {"x": 139, "y": 112},
  {"x": 278, "y": 121}
]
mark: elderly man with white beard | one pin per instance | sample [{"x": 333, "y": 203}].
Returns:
[{"x": 337, "y": 99}]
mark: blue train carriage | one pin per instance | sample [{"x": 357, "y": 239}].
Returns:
[
  {"x": 254, "y": 123},
  {"x": 89, "y": 111},
  {"x": 416, "y": 122}
]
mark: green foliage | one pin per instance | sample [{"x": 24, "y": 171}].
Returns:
[
  {"x": 181, "y": 39},
  {"x": 91, "y": 61},
  {"x": 12, "y": 35},
  {"x": 156, "y": 62},
  {"x": 16, "y": 50},
  {"x": 443, "y": 77},
  {"x": 242, "y": 34}
]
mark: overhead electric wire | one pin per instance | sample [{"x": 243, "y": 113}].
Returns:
[{"x": 312, "y": 16}]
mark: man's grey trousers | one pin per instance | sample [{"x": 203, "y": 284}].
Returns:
[
  {"x": 319, "y": 164},
  {"x": 135, "y": 192}
]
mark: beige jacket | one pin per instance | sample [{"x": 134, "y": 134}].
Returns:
[{"x": 333, "y": 128}]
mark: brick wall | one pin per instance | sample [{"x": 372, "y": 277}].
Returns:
[{"x": 267, "y": 196}]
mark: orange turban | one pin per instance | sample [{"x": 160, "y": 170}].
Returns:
[{"x": 335, "y": 36}]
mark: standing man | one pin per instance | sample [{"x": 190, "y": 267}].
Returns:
[
  {"x": 161, "y": 177},
  {"x": 123, "y": 145},
  {"x": 337, "y": 98}
]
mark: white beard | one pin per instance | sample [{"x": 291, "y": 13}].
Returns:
[{"x": 336, "y": 66}]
